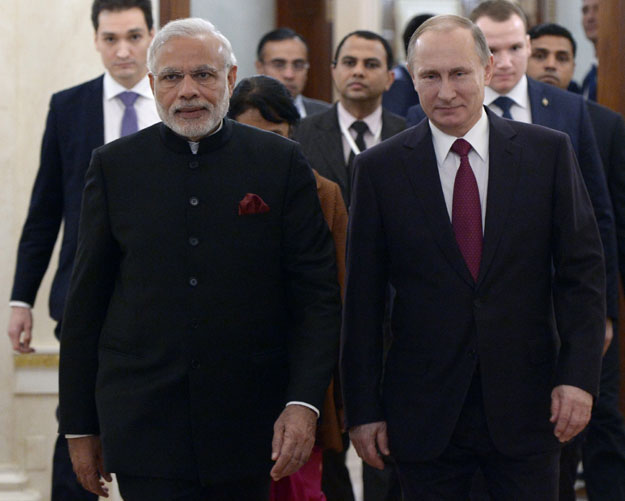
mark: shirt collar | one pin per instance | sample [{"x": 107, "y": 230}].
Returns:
[
  {"x": 477, "y": 136},
  {"x": 518, "y": 94},
  {"x": 112, "y": 88},
  {"x": 373, "y": 121}
]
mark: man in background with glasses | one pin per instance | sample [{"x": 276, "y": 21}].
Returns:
[{"x": 283, "y": 55}]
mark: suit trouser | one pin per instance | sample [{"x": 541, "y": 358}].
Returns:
[
  {"x": 164, "y": 489},
  {"x": 65, "y": 486},
  {"x": 449, "y": 476},
  {"x": 335, "y": 481},
  {"x": 602, "y": 447}
]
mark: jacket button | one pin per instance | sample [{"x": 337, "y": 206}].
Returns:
[
  {"x": 193, "y": 281},
  {"x": 478, "y": 303},
  {"x": 194, "y": 323},
  {"x": 194, "y": 164},
  {"x": 194, "y": 201},
  {"x": 194, "y": 241},
  {"x": 473, "y": 354},
  {"x": 195, "y": 364}
]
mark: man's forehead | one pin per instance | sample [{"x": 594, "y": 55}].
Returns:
[
  {"x": 290, "y": 47},
  {"x": 553, "y": 42},
  {"x": 189, "y": 52},
  {"x": 363, "y": 48},
  {"x": 121, "y": 21}
]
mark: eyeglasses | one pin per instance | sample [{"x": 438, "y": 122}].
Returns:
[{"x": 282, "y": 64}]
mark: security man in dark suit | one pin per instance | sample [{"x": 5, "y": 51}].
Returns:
[
  {"x": 201, "y": 326},
  {"x": 552, "y": 61},
  {"x": 79, "y": 120}
]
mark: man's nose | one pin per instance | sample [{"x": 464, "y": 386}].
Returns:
[
  {"x": 502, "y": 59},
  {"x": 123, "y": 51},
  {"x": 446, "y": 91},
  {"x": 187, "y": 88},
  {"x": 288, "y": 71}
]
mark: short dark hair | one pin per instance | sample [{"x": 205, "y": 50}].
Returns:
[
  {"x": 553, "y": 29},
  {"x": 268, "y": 95},
  {"x": 278, "y": 35},
  {"x": 498, "y": 10},
  {"x": 117, "y": 5},
  {"x": 412, "y": 26},
  {"x": 368, "y": 35}
]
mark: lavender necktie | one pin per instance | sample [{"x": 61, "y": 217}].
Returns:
[
  {"x": 129, "y": 120},
  {"x": 466, "y": 212}
]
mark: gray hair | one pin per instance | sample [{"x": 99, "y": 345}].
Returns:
[
  {"x": 191, "y": 27},
  {"x": 448, "y": 23}
]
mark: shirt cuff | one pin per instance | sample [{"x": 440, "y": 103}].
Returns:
[
  {"x": 77, "y": 436},
  {"x": 21, "y": 304},
  {"x": 311, "y": 407}
]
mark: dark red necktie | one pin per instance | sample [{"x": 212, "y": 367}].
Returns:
[{"x": 466, "y": 212}]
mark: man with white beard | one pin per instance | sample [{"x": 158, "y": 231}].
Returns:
[{"x": 201, "y": 328}]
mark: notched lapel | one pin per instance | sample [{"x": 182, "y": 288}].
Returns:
[
  {"x": 331, "y": 145},
  {"x": 503, "y": 175},
  {"x": 421, "y": 169}
]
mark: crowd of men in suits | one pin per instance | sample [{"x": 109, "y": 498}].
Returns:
[{"x": 197, "y": 300}]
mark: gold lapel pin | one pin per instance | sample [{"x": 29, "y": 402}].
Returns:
[{"x": 545, "y": 102}]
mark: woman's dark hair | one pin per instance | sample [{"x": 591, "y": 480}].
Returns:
[{"x": 268, "y": 95}]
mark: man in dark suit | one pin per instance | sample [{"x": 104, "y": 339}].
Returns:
[
  {"x": 603, "y": 447},
  {"x": 485, "y": 230},
  {"x": 361, "y": 71},
  {"x": 283, "y": 55},
  {"x": 504, "y": 24},
  {"x": 79, "y": 120},
  {"x": 202, "y": 317}
]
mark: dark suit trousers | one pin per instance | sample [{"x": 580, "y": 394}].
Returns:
[
  {"x": 450, "y": 475},
  {"x": 163, "y": 489}
]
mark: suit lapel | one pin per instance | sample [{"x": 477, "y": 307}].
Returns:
[
  {"x": 391, "y": 125},
  {"x": 540, "y": 104},
  {"x": 330, "y": 144},
  {"x": 503, "y": 174},
  {"x": 421, "y": 169}
]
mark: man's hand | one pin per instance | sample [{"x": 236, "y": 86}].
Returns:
[
  {"x": 609, "y": 334},
  {"x": 570, "y": 410},
  {"x": 293, "y": 440},
  {"x": 20, "y": 329},
  {"x": 367, "y": 439},
  {"x": 86, "y": 454}
]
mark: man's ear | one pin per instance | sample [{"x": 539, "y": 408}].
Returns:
[
  {"x": 232, "y": 78},
  {"x": 151, "y": 79}
]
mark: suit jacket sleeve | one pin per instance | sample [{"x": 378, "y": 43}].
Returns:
[
  {"x": 44, "y": 216},
  {"x": 579, "y": 279},
  {"x": 595, "y": 180},
  {"x": 309, "y": 264},
  {"x": 95, "y": 270},
  {"x": 367, "y": 278}
]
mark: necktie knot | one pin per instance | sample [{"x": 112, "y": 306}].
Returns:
[
  {"x": 360, "y": 127},
  {"x": 505, "y": 103},
  {"x": 461, "y": 147},
  {"x": 128, "y": 98}
]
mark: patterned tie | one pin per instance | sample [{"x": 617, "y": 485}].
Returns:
[
  {"x": 360, "y": 127},
  {"x": 466, "y": 212},
  {"x": 505, "y": 103},
  {"x": 129, "y": 120}
]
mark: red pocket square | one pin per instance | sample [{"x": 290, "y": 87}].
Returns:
[{"x": 252, "y": 204}]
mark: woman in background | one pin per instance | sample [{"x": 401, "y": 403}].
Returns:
[{"x": 264, "y": 102}]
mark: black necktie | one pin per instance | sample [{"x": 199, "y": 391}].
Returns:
[
  {"x": 360, "y": 127},
  {"x": 505, "y": 103}
]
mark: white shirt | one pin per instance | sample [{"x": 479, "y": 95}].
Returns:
[
  {"x": 299, "y": 104},
  {"x": 448, "y": 162},
  {"x": 114, "y": 108},
  {"x": 520, "y": 110},
  {"x": 373, "y": 121}
]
